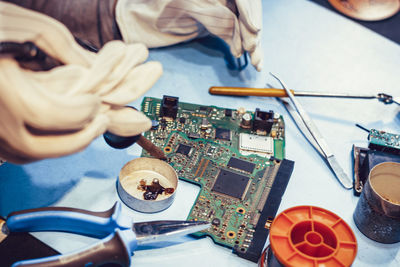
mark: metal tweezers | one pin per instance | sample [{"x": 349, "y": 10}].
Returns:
[{"x": 312, "y": 134}]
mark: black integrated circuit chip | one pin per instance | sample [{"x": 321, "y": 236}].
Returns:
[
  {"x": 184, "y": 149},
  {"x": 204, "y": 110},
  {"x": 241, "y": 165},
  {"x": 194, "y": 135},
  {"x": 223, "y": 134},
  {"x": 231, "y": 184}
]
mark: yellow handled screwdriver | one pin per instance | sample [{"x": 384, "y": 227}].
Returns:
[{"x": 274, "y": 92}]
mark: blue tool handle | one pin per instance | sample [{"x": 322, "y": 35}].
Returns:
[
  {"x": 111, "y": 249},
  {"x": 78, "y": 221}
]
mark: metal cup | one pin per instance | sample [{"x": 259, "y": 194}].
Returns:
[
  {"x": 377, "y": 214},
  {"x": 146, "y": 169}
]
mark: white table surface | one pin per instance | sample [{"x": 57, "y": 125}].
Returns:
[{"x": 307, "y": 46}]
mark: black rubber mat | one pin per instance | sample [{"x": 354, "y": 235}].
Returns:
[{"x": 22, "y": 246}]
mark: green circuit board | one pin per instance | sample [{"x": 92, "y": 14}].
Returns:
[
  {"x": 240, "y": 168},
  {"x": 384, "y": 141}
]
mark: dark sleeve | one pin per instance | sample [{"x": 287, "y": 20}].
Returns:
[{"x": 92, "y": 22}]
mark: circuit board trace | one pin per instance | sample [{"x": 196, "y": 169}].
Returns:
[{"x": 240, "y": 169}]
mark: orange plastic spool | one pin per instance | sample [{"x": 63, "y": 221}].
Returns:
[{"x": 309, "y": 236}]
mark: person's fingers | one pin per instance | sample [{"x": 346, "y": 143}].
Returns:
[
  {"x": 250, "y": 40},
  {"x": 58, "y": 80},
  {"x": 49, "y": 146},
  {"x": 135, "y": 84},
  {"x": 250, "y": 21},
  {"x": 236, "y": 42},
  {"x": 42, "y": 109},
  {"x": 54, "y": 112},
  {"x": 106, "y": 75},
  {"x": 10, "y": 155},
  {"x": 257, "y": 58},
  {"x": 250, "y": 13},
  {"x": 127, "y": 121},
  {"x": 217, "y": 18},
  {"x": 111, "y": 65}
]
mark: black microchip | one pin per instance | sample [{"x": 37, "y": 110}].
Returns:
[
  {"x": 241, "y": 165},
  {"x": 216, "y": 222},
  {"x": 228, "y": 112},
  {"x": 184, "y": 149},
  {"x": 204, "y": 109},
  {"x": 182, "y": 120},
  {"x": 231, "y": 184},
  {"x": 193, "y": 135},
  {"x": 223, "y": 134}
]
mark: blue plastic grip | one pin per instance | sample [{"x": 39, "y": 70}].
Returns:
[{"x": 71, "y": 220}]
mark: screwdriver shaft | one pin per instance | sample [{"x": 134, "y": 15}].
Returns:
[
  {"x": 275, "y": 92},
  {"x": 244, "y": 91},
  {"x": 152, "y": 149}
]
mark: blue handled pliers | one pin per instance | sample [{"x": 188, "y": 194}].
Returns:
[{"x": 120, "y": 236}]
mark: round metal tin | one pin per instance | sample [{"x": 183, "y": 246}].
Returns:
[
  {"x": 145, "y": 170},
  {"x": 377, "y": 214},
  {"x": 367, "y": 10}
]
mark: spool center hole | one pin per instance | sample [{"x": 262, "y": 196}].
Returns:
[{"x": 314, "y": 238}]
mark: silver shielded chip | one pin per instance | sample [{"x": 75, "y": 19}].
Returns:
[{"x": 256, "y": 144}]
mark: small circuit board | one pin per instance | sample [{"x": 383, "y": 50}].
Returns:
[
  {"x": 384, "y": 141},
  {"x": 382, "y": 147},
  {"x": 235, "y": 156}
]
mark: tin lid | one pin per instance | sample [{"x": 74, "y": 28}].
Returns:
[
  {"x": 312, "y": 236},
  {"x": 367, "y": 10}
]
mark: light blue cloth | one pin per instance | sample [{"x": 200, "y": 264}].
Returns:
[{"x": 308, "y": 47}]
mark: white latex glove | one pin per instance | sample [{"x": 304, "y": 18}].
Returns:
[
  {"x": 59, "y": 112},
  {"x": 165, "y": 22}
]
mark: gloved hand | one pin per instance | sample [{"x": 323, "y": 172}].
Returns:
[
  {"x": 59, "y": 112},
  {"x": 166, "y": 22}
]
